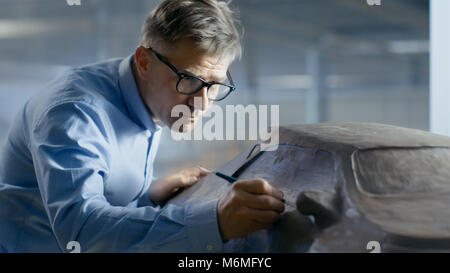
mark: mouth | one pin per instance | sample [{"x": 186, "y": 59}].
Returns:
[
  {"x": 189, "y": 120},
  {"x": 195, "y": 115}
]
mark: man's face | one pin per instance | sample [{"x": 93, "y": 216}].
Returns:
[{"x": 157, "y": 82}]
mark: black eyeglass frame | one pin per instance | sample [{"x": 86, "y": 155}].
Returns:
[{"x": 231, "y": 87}]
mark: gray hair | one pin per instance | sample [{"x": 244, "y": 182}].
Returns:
[{"x": 210, "y": 23}]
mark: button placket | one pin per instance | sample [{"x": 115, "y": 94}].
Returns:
[{"x": 147, "y": 170}]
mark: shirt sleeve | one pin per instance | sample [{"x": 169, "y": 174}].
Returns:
[
  {"x": 145, "y": 200},
  {"x": 69, "y": 146}
]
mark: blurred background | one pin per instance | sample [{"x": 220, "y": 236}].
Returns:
[{"x": 319, "y": 60}]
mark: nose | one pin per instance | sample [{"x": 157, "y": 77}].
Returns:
[{"x": 203, "y": 95}]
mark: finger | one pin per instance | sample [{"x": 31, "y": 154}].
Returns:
[
  {"x": 259, "y": 186},
  {"x": 203, "y": 171},
  {"x": 184, "y": 181},
  {"x": 189, "y": 180},
  {"x": 261, "y": 218},
  {"x": 261, "y": 201}
]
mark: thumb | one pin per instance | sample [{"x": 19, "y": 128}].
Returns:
[{"x": 190, "y": 180}]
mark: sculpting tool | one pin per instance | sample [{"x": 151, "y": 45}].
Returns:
[
  {"x": 226, "y": 177},
  {"x": 231, "y": 179}
]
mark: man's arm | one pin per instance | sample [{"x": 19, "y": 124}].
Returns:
[{"x": 69, "y": 146}]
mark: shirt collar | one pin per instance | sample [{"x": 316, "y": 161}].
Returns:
[{"x": 132, "y": 98}]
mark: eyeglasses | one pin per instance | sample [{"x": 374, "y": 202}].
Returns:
[{"x": 189, "y": 84}]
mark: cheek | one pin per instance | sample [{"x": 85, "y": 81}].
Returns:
[
  {"x": 165, "y": 90},
  {"x": 160, "y": 93},
  {"x": 167, "y": 99}
]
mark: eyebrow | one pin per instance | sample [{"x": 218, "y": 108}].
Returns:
[{"x": 187, "y": 72}]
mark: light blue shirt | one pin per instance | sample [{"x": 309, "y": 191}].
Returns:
[{"x": 77, "y": 166}]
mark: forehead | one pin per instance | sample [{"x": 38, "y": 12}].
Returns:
[{"x": 186, "y": 57}]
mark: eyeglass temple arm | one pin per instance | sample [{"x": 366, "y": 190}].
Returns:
[
  {"x": 164, "y": 60},
  {"x": 229, "y": 77}
]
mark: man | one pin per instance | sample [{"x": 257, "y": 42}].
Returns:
[{"x": 77, "y": 165}]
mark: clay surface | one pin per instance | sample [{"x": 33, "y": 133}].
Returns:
[{"x": 347, "y": 184}]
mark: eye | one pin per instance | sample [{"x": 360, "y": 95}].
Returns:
[{"x": 189, "y": 84}]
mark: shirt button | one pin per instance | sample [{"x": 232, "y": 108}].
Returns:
[
  {"x": 148, "y": 133},
  {"x": 209, "y": 247}
]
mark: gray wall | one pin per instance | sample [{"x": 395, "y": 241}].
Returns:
[{"x": 320, "y": 60}]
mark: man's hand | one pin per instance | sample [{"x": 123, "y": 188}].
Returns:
[
  {"x": 161, "y": 189},
  {"x": 250, "y": 205}
]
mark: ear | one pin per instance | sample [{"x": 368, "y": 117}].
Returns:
[{"x": 142, "y": 62}]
